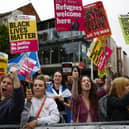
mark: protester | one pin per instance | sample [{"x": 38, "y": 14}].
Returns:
[
  {"x": 12, "y": 98},
  {"x": 47, "y": 79},
  {"x": 99, "y": 82},
  {"x": 85, "y": 98},
  {"x": 103, "y": 100},
  {"x": 41, "y": 109},
  {"x": 118, "y": 100},
  {"x": 61, "y": 94},
  {"x": 69, "y": 82}
]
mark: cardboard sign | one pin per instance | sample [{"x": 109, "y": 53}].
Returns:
[
  {"x": 69, "y": 15},
  {"x": 124, "y": 22},
  {"x": 3, "y": 63},
  {"x": 95, "y": 21},
  {"x": 23, "y": 34}
]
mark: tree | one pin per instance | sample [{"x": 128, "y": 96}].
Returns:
[{"x": 4, "y": 41}]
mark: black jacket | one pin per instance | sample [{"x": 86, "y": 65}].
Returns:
[
  {"x": 118, "y": 108},
  {"x": 11, "y": 108}
]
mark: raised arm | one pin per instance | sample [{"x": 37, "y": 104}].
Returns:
[
  {"x": 75, "y": 76},
  {"x": 108, "y": 77},
  {"x": 14, "y": 73}
]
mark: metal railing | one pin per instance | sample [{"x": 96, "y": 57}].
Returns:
[{"x": 92, "y": 125}]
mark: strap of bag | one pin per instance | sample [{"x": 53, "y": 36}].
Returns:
[{"x": 41, "y": 108}]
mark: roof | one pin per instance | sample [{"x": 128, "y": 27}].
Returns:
[
  {"x": 5, "y": 14},
  {"x": 29, "y": 10},
  {"x": 26, "y": 9}
]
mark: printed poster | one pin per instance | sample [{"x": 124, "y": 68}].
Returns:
[
  {"x": 124, "y": 22},
  {"x": 27, "y": 68},
  {"x": 97, "y": 55},
  {"x": 95, "y": 21},
  {"x": 23, "y": 34},
  {"x": 69, "y": 15}
]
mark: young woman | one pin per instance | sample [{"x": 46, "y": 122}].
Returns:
[
  {"x": 61, "y": 95},
  {"x": 42, "y": 110},
  {"x": 118, "y": 100},
  {"x": 85, "y": 98}
]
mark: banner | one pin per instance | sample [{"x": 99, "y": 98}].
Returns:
[
  {"x": 27, "y": 64},
  {"x": 69, "y": 15},
  {"x": 97, "y": 55},
  {"x": 95, "y": 21},
  {"x": 124, "y": 23},
  {"x": 3, "y": 63},
  {"x": 23, "y": 34}
]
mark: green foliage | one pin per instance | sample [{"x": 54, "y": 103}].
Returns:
[{"x": 4, "y": 41}]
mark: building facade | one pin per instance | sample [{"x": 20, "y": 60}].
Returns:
[
  {"x": 24, "y": 10},
  {"x": 58, "y": 47}
]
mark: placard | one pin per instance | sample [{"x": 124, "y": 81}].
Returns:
[
  {"x": 23, "y": 34},
  {"x": 69, "y": 15},
  {"x": 95, "y": 21}
]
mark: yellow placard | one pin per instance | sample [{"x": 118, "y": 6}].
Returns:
[
  {"x": 22, "y": 30},
  {"x": 3, "y": 63},
  {"x": 101, "y": 74},
  {"x": 96, "y": 50}
]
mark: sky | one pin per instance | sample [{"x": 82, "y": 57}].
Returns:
[{"x": 45, "y": 10}]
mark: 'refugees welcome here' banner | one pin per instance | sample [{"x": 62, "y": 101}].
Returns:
[
  {"x": 23, "y": 34},
  {"x": 68, "y": 15}
]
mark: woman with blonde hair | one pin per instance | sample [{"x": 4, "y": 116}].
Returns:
[{"x": 118, "y": 100}]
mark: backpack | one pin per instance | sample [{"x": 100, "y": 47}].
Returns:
[{"x": 103, "y": 108}]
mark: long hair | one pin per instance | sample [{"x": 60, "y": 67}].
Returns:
[
  {"x": 92, "y": 95},
  {"x": 118, "y": 86}
]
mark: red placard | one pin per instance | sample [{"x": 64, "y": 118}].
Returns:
[
  {"x": 81, "y": 65},
  {"x": 27, "y": 68},
  {"x": 102, "y": 59},
  {"x": 69, "y": 15},
  {"x": 95, "y": 21}
]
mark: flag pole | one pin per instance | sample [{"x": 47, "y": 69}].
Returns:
[
  {"x": 74, "y": 60},
  {"x": 28, "y": 69}
]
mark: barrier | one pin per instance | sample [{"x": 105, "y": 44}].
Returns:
[{"x": 95, "y": 125}]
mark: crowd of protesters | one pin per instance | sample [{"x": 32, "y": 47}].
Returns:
[{"x": 42, "y": 101}]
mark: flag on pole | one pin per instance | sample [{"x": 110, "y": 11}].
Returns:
[{"x": 27, "y": 64}]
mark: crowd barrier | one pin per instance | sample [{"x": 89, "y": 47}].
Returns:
[{"x": 95, "y": 125}]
